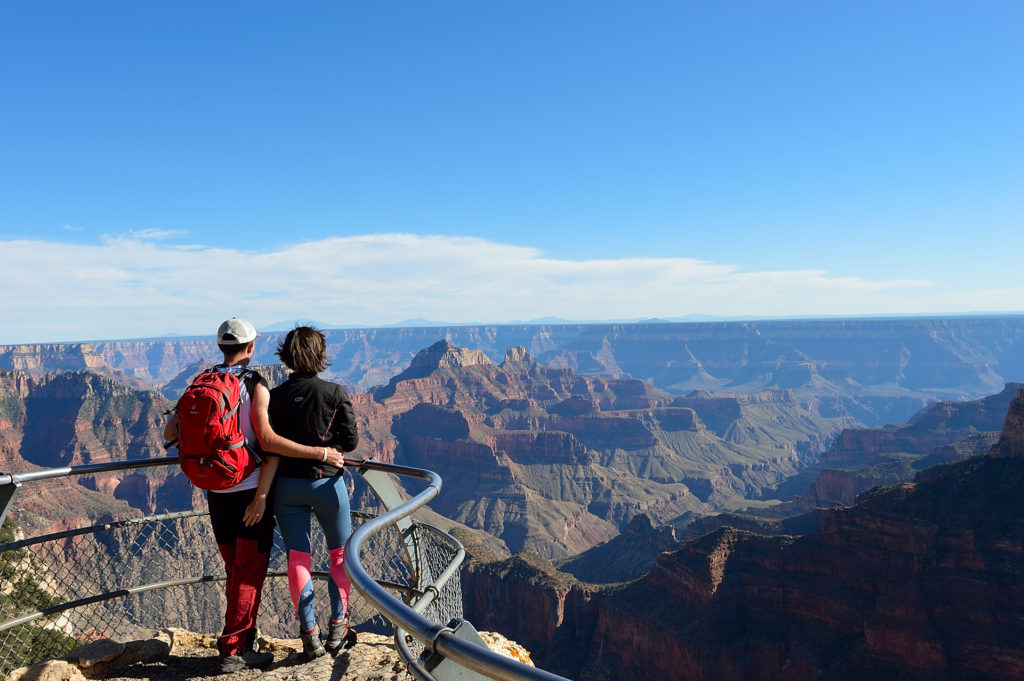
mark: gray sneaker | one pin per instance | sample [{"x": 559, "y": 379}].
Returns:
[
  {"x": 250, "y": 658},
  {"x": 311, "y": 646},
  {"x": 339, "y": 636}
]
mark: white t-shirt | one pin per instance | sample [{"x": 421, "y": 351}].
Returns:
[{"x": 245, "y": 423}]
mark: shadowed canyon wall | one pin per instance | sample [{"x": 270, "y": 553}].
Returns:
[{"x": 923, "y": 580}]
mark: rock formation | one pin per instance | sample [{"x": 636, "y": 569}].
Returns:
[
  {"x": 628, "y": 556},
  {"x": 539, "y": 457},
  {"x": 76, "y": 418},
  {"x": 923, "y": 580},
  {"x": 862, "y": 458},
  {"x": 1011, "y": 439},
  {"x": 546, "y": 459}
]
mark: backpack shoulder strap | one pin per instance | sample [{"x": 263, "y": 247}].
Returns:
[{"x": 250, "y": 378}]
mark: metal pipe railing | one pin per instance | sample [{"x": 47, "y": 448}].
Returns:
[
  {"x": 407, "y": 618},
  {"x": 10, "y": 483},
  {"x": 108, "y": 596},
  {"x": 435, "y": 637},
  {"x": 29, "y": 541},
  {"x": 84, "y": 469}
]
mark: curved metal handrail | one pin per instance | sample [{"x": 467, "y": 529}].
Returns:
[
  {"x": 435, "y": 637},
  {"x": 11, "y": 483}
]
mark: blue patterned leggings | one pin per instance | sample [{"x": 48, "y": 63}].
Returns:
[{"x": 295, "y": 501}]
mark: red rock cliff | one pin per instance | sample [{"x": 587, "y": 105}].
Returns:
[{"x": 924, "y": 580}]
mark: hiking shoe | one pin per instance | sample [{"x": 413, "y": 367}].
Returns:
[
  {"x": 250, "y": 658},
  {"x": 339, "y": 636},
  {"x": 311, "y": 646}
]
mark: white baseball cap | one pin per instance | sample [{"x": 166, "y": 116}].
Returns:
[{"x": 236, "y": 331}]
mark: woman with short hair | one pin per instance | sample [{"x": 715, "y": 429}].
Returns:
[{"x": 316, "y": 412}]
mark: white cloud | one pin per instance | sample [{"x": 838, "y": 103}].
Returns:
[
  {"x": 155, "y": 234},
  {"x": 137, "y": 286},
  {"x": 150, "y": 234}
]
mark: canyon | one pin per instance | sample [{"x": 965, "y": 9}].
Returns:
[
  {"x": 540, "y": 458},
  {"x": 759, "y": 507},
  {"x": 920, "y": 580}
]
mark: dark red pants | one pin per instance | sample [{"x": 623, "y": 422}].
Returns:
[{"x": 246, "y": 554}]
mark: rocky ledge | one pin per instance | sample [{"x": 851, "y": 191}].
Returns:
[{"x": 172, "y": 654}]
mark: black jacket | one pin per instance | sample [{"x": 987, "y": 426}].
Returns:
[{"x": 315, "y": 412}]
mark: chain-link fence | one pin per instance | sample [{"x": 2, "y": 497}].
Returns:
[
  {"x": 439, "y": 552},
  {"x": 119, "y": 579}
]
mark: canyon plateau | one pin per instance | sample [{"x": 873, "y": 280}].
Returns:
[{"x": 876, "y": 371}]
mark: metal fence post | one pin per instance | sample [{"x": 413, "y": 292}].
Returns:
[
  {"x": 8, "y": 490},
  {"x": 386, "y": 490}
]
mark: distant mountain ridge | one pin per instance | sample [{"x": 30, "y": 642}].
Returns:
[{"x": 877, "y": 371}]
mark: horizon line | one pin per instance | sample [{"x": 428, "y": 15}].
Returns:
[{"x": 553, "y": 321}]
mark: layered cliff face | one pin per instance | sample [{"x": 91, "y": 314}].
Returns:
[
  {"x": 862, "y": 458},
  {"x": 551, "y": 608},
  {"x": 76, "y": 418},
  {"x": 51, "y": 357},
  {"x": 924, "y": 580},
  {"x": 1011, "y": 439},
  {"x": 549, "y": 460},
  {"x": 157, "y": 362},
  {"x": 14, "y": 387},
  {"x": 937, "y": 425}
]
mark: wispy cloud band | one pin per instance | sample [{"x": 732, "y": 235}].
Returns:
[{"x": 140, "y": 285}]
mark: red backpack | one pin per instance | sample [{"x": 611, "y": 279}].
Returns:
[{"x": 212, "y": 450}]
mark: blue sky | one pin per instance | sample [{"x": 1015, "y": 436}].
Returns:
[{"x": 363, "y": 164}]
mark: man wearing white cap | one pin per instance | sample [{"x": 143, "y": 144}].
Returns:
[{"x": 241, "y": 525}]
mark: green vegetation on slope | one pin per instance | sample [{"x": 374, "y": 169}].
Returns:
[{"x": 22, "y": 592}]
